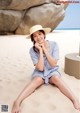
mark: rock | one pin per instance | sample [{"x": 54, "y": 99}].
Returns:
[
  {"x": 9, "y": 20},
  {"x": 22, "y": 4},
  {"x": 17, "y": 16},
  {"x": 48, "y": 15}
]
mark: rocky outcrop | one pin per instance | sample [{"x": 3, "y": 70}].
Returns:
[{"x": 17, "y": 16}]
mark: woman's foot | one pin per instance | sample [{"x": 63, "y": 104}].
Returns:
[
  {"x": 16, "y": 108},
  {"x": 76, "y": 104}
]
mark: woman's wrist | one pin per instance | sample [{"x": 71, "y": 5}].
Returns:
[
  {"x": 45, "y": 51},
  {"x": 17, "y": 102},
  {"x": 40, "y": 50}
]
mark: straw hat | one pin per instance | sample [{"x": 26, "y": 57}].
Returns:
[{"x": 37, "y": 28}]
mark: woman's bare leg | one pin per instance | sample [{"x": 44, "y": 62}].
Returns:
[
  {"x": 65, "y": 90},
  {"x": 29, "y": 89}
]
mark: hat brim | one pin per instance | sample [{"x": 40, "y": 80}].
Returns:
[{"x": 46, "y": 30}]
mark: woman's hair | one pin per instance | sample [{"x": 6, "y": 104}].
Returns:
[{"x": 32, "y": 39}]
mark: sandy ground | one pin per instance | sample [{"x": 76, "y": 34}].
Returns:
[{"x": 16, "y": 68}]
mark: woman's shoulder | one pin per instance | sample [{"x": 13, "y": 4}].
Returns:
[
  {"x": 31, "y": 50},
  {"x": 53, "y": 43}
]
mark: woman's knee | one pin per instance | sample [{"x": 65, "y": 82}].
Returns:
[
  {"x": 38, "y": 80},
  {"x": 54, "y": 79}
]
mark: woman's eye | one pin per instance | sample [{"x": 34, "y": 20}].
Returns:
[
  {"x": 34, "y": 36},
  {"x": 39, "y": 33}
]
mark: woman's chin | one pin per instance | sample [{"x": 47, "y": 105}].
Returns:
[{"x": 40, "y": 42}]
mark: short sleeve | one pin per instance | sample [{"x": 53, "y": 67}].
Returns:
[
  {"x": 55, "y": 51},
  {"x": 34, "y": 56}
]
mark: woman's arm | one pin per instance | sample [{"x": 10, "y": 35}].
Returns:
[
  {"x": 50, "y": 59},
  {"x": 40, "y": 64}
]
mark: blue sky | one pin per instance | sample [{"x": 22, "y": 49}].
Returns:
[{"x": 72, "y": 17}]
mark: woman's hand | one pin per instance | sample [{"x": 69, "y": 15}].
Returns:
[
  {"x": 16, "y": 108},
  {"x": 38, "y": 46},
  {"x": 43, "y": 48}
]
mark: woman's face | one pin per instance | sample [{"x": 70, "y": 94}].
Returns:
[{"x": 38, "y": 37}]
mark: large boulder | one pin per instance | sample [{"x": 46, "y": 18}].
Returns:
[
  {"x": 17, "y": 16},
  {"x": 22, "y": 4}
]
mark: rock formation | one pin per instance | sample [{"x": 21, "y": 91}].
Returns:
[{"x": 17, "y": 16}]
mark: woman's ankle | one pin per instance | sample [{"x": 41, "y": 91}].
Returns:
[{"x": 16, "y": 102}]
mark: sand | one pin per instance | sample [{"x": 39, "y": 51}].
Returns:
[{"x": 16, "y": 68}]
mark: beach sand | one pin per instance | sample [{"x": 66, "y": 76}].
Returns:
[{"x": 16, "y": 68}]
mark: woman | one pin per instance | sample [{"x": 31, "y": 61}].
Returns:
[{"x": 45, "y": 55}]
